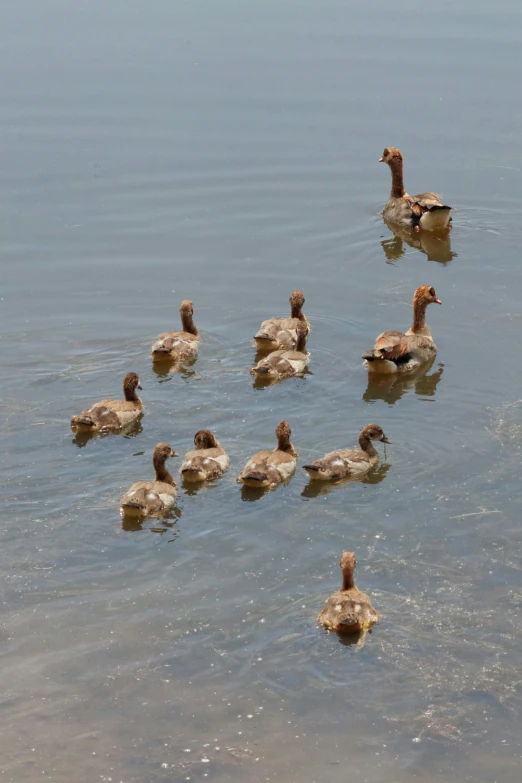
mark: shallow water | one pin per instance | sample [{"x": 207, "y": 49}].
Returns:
[{"x": 228, "y": 153}]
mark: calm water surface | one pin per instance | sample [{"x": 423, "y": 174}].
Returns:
[{"x": 227, "y": 153}]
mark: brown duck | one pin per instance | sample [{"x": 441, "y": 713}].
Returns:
[
  {"x": 425, "y": 210},
  {"x": 397, "y": 352},
  {"x": 278, "y": 333},
  {"x": 178, "y": 345},
  {"x": 348, "y": 610},
  {"x": 208, "y": 461},
  {"x": 152, "y": 498},
  {"x": 112, "y": 415}
]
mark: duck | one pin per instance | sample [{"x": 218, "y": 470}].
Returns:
[
  {"x": 112, "y": 415},
  {"x": 348, "y": 462},
  {"x": 152, "y": 498},
  {"x": 425, "y": 210},
  {"x": 348, "y": 610},
  {"x": 178, "y": 345},
  {"x": 267, "y": 469},
  {"x": 398, "y": 352},
  {"x": 208, "y": 461},
  {"x": 276, "y": 333},
  {"x": 285, "y": 363}
]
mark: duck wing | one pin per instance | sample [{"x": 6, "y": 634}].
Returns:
[{"x": 389, "y": 345}]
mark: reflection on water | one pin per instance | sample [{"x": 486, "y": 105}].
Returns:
[
  {"x": 159, "y": 525},
  {"x": 391, "y": 388},
  {"x": 435, "y": 245},
  {"x": 263, "y": 381},
  {"x": 230, "y": 157},
  {"x": 82, "y": 437},
  {"x": 314, "y": 489},
  {"x": 165, "y": 368}
]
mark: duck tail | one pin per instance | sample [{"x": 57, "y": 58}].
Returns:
[
  {"x": 134, "y": 504},
  {"x": 84, "y": 421},
  {"x": 255, "y": 475}
]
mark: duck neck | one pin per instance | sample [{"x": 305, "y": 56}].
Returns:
[
  {"x": 419, "y": 315},
  {"x": 367, "y": 446},
  {"x": 283, "y": 444},
  {"x": 397, "y": 189},
  {"x": 188, "y": 324},
  {"x": 162, "y": 473},
  {"x": 301, "y": 342},
  {"x": 296, "y": 312},
  {"x": 129, "y": 392},
  {"x": 348, "y": 582}
]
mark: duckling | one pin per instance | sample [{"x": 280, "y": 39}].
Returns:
[
  {"x": 152, "y": 498},
  {"x": 348, "y": 462},
  {"x": 425, "y": 210},
  {"x": 398, "y": 352},
  {"x": 348, "y": 610},
  {"x": 112, "y": 415},
  {"x": 285, "y": 363},
  {"x": 267, "y": 469},
  {"x": 281, "y": 332},
  {"x": 178, "y": 345},
  {"x": 208, "y": 461}
]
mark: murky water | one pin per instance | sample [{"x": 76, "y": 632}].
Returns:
[{"x": 227, "y": 153}]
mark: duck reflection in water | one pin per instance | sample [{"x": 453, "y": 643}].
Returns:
[
  {"x": 166, "y": 367},
  {"x": 161, "y": 526},
  {"x": 315, "y": 489},
  {"x": 434, "y": 244},
  {"x": 82, "y": 437},
  {"x": 391, "y": 388}
]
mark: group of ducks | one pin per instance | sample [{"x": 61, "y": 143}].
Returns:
[{"x": 284, "y": 342}]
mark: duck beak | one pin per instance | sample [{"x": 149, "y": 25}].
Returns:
[
  {"x": 381, "y": 160},
  {"x": 139, "y": 386},
  {"x": 437, "y": 301},
  {"x": 174, "y": 453},
  {"x": 384, "y": 439}
]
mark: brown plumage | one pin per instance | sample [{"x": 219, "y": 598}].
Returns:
[
  {"x": 276, "y": 333},
  {"x": 152, "y": 498},
  {"x": 285, "y": 363},
  {"x": 112, "y": 415},
  {"x": 398, "y": 352},
  {"x": 348, "y": 610},
  {"x": 208, "y": 461},
  {"x": 347, "y": 462},
  {"x": 425, "y": 210},
  {"x": 178, "y": 345},
  {"x": 267, "y": 469}
]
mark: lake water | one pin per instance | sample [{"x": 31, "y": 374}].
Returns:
[{"x": 227, "y": 153}]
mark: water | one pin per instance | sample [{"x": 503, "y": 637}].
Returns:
[{"x": 227, "y": 153}]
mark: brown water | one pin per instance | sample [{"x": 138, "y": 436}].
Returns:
[{"x": 227, "y": 153}]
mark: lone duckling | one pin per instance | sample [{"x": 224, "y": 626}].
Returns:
[
  {"x": 178, "y": 345},
  {"x": 349, "y": 462},
  {"x": 267, "y": 469},
  {"x": 398, "y": 352},
  {"x": 152, "y": 498},
  {"x": 112, "y": 415},
  {"x": 285, "y": 363},
  {"x": 208, "y": 461},
  {"x": 425, "y": 210},
  {"x": 278, "y": 333},
  {"x": 348, "y": 610}
]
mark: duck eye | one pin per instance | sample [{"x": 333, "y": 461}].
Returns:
[{"x": 432, "y": 292}]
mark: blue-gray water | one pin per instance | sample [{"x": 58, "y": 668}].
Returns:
[{"x": 227, "y": 153}]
